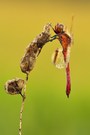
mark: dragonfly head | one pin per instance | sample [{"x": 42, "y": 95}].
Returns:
[{"x": 59, "y": 28}]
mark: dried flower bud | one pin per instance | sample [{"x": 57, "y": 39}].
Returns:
[
  {"x": 14, "y": 86},
  {"x": 33, "y": 50}
]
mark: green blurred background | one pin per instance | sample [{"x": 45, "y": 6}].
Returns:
[{"x": 47, "y": 110}]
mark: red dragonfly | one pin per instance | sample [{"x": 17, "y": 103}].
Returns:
[{"x": 65, "y": 41}]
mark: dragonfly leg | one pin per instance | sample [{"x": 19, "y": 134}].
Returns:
[{"x": 53, "y": 38}]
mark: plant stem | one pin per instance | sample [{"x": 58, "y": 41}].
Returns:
[{"x": 21, "y": 112}]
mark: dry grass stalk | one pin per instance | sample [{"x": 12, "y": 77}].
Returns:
[
  {"x": 21, "y": 112},
  {"x": 18, "y": 86}
]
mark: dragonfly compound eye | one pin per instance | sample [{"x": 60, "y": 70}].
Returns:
[{"x": 59, "y": 28}]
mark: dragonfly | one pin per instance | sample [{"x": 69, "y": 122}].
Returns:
[{"x": 65, "y": 40}]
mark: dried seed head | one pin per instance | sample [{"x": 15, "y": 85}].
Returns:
[
  {"x": 33, "y": 50},
  {"x": 46, "y": 28},
  {"x": 29, "y": 58},
  {"x": 14, "y": 86}
]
